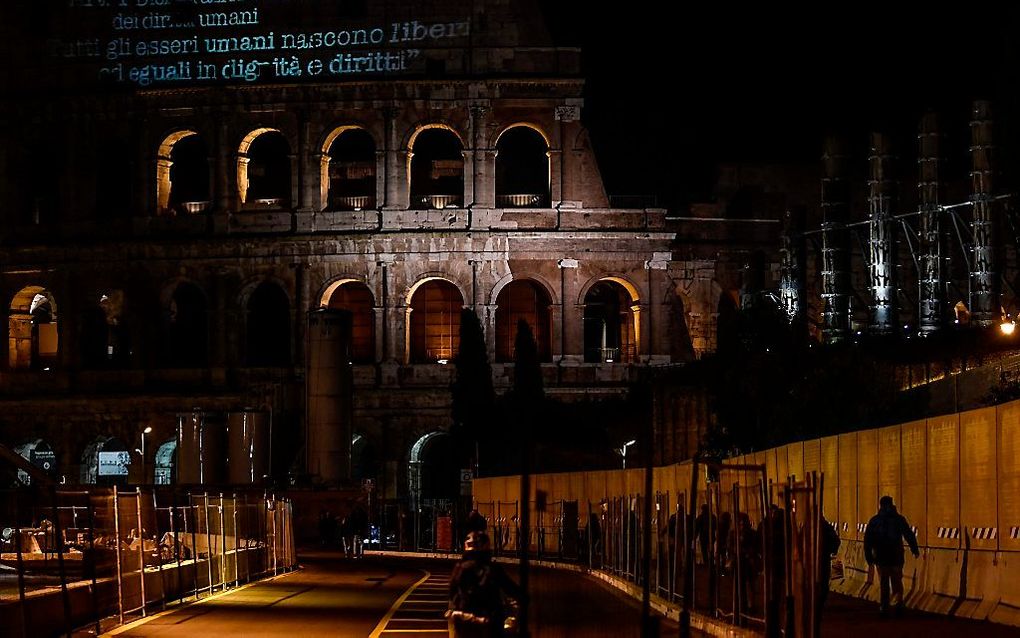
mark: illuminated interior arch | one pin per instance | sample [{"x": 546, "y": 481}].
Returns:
[
  {"x": 523, "y": 299},
  {"x": 356, "y": 298},
  {"x": 263, "y": 174},
  {"x": 523, "y": 171},
  {"x": 347, "y": 169},
  {"x": 182, "y": 174},
  {"x": 432, "y": 322},
  {"x": 435, "y": 167},
  {"x": 611, "y": 321},
  {"x": 433, "y": 468},
  {"x": 33, "y": 337}
]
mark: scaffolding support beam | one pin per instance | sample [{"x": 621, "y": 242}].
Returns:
[
  {"x": 881, "y": 241},
  {"x": 930, "y": 307},
  {"x": 835, "y": 240},
  {"x": 984, "y": 277}
]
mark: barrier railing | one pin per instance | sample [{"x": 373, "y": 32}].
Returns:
[
  {"x": 717, "y": 548},
  {"x": 69, "y": 559}
]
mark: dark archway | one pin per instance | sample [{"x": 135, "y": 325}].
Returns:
[
  {"x": 189, "y": 176},
  {"x": 349, "y": 170},
  {"x": 522, "y": 168},
  {"x": 187, "y": 328},
  {"x": 434, "y": 331},
  {"x": 364, "y": 459},
  {"x": 268, "y": 171},
  {"x": 527, "y": 300},
  {"x": 437, "y": 169},
  {"x": 104, "y": 342},
  {"x": 356, "y": 298},
  {"x": 267, "y": 327},
  {"x": 105, "y": 461},
  {"x": 609, "y": 324}
]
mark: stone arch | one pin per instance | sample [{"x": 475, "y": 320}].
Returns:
[
  {"x": 39, "y": 453},
  {"x": 32, "y": 330},
  {"x": 612, "y": 332},
  {"x": 182, "y": 174},
  {"x": 364, "y": 458},
  {"x": 105, "y": 461},
  {"x": 494, "y": 139},
  {"x": 165, "y": 463},
  {"x": 269, "y": 150},
  {"x": 510, "y": 277},
  {"x": 628, "y": 285},
  {"x": 356, "y": 297},
  {"x": 436, "y": 170},
  {"x": 267, "y": 325},
  {"x": 186, "y": 322},
  {"x": 104, "y": 333},
  {"x": 523, "y": 170},
  {"x": 433, "y": 468},
  {"x": 432, "y": 320},
  {"x": 523, "y": 299},
  {"x": 347, "y": 175}
]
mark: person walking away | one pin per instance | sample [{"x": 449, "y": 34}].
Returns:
[
  {"x": 829, "y": 545},
  {"x": 883, "y": 548},
  {"x": 704, "y": 528},
  {"x": 477, "y": 586},
  {"x": 748, "y": 550}
]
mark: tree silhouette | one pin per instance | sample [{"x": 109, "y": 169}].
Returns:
[{"x": 472, "y": 395}]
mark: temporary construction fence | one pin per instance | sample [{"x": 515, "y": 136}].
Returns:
[{"x": 69, "y": 559}]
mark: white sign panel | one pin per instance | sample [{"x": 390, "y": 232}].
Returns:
[{"x": 114, "y": 463}]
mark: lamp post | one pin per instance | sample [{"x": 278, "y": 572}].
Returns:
[
  {"x": 623, "y": 451},
  {"x": 147, "y": 430}
]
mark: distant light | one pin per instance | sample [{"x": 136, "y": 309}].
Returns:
[
  {"x": 630, "y": 442},
  {"x": 1007, "y": 327},
  {"x": 147, "y": 430},
  {"x": 442, "y": 362}
]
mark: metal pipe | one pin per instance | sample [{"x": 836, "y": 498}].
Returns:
[
  {"x": 120, "y": 573},
  {"x": 141, "y": 545}
]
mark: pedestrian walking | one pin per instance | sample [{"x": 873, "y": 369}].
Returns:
[
  {"x": 829, "y": 546},
  {"x": 883, "y": 549},
  {"x": 477, "y": 586},
  {"x": 704, "y": 530}
]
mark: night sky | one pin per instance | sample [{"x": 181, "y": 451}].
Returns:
[{"x": 684, "y": 86}]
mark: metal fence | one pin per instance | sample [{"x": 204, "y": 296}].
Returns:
[
  {"x": 69, "y": 559},
  {"x": 728, "y": 545}
]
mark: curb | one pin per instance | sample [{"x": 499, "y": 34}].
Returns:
[{"x": 699, "y": 622}]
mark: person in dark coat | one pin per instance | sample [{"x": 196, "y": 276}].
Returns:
[
  {"x": 475, "y": 522},
  {"x": 883, "y": 548},
  {"x": 477, "y": 586},
  {"x": 704, "y": 530},
  {"x": 829, "y": 546}
]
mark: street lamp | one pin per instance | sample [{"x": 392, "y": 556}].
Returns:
[
  {"x": 147, "y": 430},
  {"x": 622, "y": 451},
  {"x": 1007, "y": 327}
]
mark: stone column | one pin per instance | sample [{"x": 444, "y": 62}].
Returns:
[
  {"x": 379, "y": 316},
  {"x": 394, "y": 171},
  {"x": 482, "y": 188},
  {"x": 489, "y": 321}
]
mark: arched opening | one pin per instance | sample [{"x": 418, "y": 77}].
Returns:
[
  {"x": 104, "y": 337},
  {"x": 268, "y": 327},
  {"x": 356, "y": 298},
  {"x": 522, "y": 168},
  {"x": 727, "y": 330},
  {"x": 166, "y": 463},
  {"x": 39, "y": 453},
  {"x": 187, "y": 327},
  {"x": 434, "y": 470},
  {"x": 610, "y": 323},
  {"x": 434, "y": 322},
  {"x": 436, "y": 170},
  {"x": 348, "y": 170},
  {"x": 364, "y": 459},
  {"x": 33, "y": 338},
  {"x": 263, "y": 170},
  {"x": 182, "y": 174},
  {"x": 522, "y": 299},
  {"x": 105, "y": 461}
]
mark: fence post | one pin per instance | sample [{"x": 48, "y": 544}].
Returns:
[
  {"x": 177, "y": 545},
  {"x": 158, "y": 542},
  {"x": 223, "y": 548},
  {"x": 687, "y": 603},
  {"x": 58, "y": 532},
  {"x": 208, "y": 543},
  {"x": 120, "y": 570},
  {"x": 237, "y": 557},
  {"x": 21, "y": 564},
  {"x": 141, "y": 545},
  {"x": 92, "y": 562}
]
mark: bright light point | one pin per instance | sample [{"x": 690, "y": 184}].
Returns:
[
  {"x": 630, "y": 442},
  {"x": 147, "y": 430},
  {"x": 442, "y": 362},
  {"x": 1007, "y": 327}
]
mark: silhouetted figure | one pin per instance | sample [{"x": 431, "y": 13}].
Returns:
[
  {"x": 747, "y": 549},
  {"x": 358, "y": 523},
  {"x": 475, "y": 522},
  {"x": 883, "y": 548},
  {"x": 477, "y": 586},
  {"x": 829, "y": 545},
  {"x": 722, "y": 542},
  {"x": 704, "y": 530}
]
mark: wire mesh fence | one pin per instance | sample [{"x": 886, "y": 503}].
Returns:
[{"x": 69, "y": 559}]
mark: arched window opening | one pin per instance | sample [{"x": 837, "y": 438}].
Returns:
[
  {"x": 727, "y": 330},
  {"x": 104, "y": 337},
  {"x": 263, "y": 170},
  {"x": 182, "y": 175},
  {"x": 33, "y": 338},
  {"x": 348, "y": 170},
  {"x": 436, "y": 169},
  {"x": 433, "y": 473},
  {"x": 364, "y": 459},
  {"x": 105, "y": 461},
  {"x": 166, "y": 463},
  {"x": 188, "y": 333},
  {"x": 435, "y": 322},
  {"x": 268, "y": 327},
  {"x": 356, "y": 298},
  {"x": 113, "y": 179},
  {"x": 522, "y": 299},
  {"x": 39, "y": 453},
  {"x": 522, "y": 169},
  {"x": 609, "y": 324}
]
